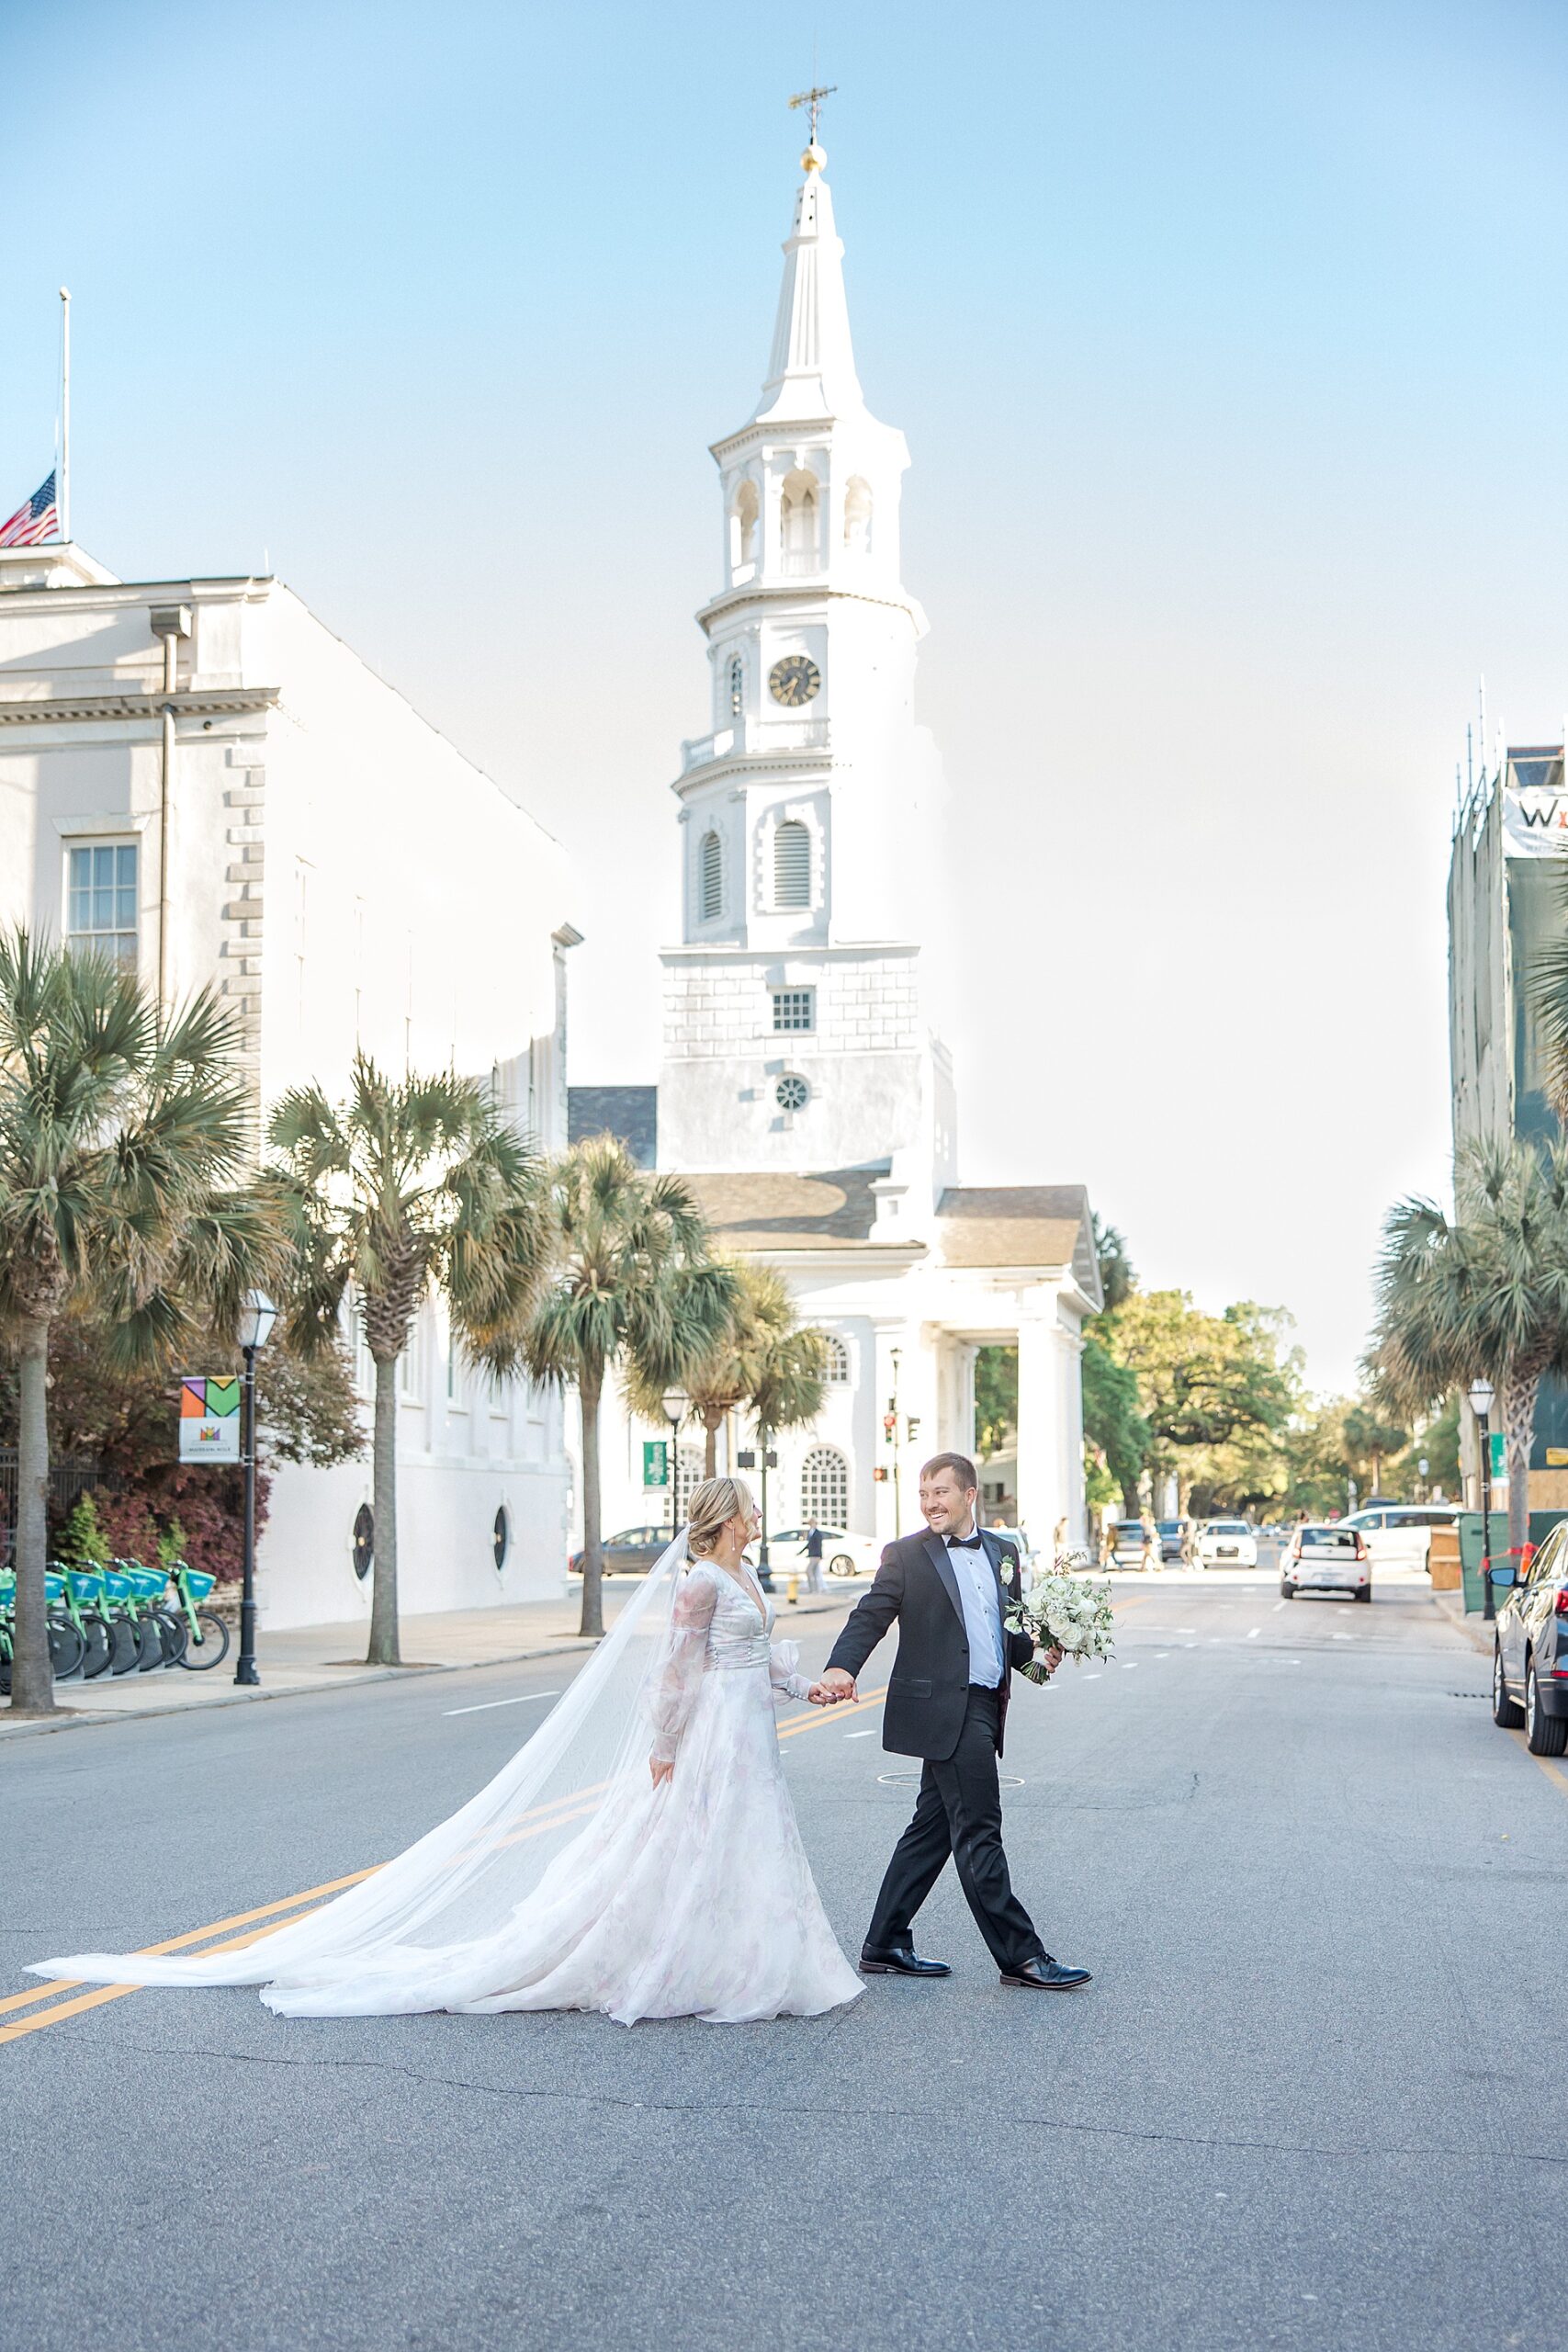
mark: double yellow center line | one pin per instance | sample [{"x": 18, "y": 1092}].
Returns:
[{"x": 580, "y": 1801}]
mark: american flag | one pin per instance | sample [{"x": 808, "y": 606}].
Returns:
[{"x": 39, "y": 519}]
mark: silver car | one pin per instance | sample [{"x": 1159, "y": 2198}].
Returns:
[{"x": 1530, "y": 1653}]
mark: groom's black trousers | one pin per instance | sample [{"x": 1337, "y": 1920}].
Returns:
[{"x": 959, "y": 1812}]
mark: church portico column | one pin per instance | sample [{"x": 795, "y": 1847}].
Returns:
[{"x": 1042, "y": 1499}]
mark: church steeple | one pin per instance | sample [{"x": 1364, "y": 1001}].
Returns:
[{"x": 811, "y": 371}]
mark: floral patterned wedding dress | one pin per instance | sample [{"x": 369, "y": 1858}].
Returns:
[{"x": 694, "y": 1899}]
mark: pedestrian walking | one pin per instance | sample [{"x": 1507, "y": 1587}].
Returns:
[
  {"x": 814, "y": 1558},
  {"x": 1149, "y": 1559}
]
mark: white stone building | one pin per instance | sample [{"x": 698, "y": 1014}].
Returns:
[
  {"x": 805, "y": 1090},
  {"x": 199, "y": 776}
]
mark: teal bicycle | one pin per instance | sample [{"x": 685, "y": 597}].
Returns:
[
  {"x": 67, "y": 1649},
  {"x": 206, "y": 1634}
]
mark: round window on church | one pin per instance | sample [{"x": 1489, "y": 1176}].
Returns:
[{"x": 791, "y": 1093}]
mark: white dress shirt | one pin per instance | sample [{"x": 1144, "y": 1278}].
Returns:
[{"x": 982, "y": 1611}]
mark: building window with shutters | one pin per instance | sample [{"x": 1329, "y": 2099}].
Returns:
[
  {"x": 795, "y": 1009},
  {"x": 711, "y": 885},
  {"x": 791, "y": 864},
  {"x": 736, "y": 687},
  {"x": 837, "y": 1357},
  {"x": 825, "y": 1488}
]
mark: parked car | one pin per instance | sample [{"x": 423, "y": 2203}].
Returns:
[
  {"x": 1530, "y": 1650},
  {"x": 1227, "y": 1543},
  {"x": 842, "y": 1556},
  {"x": 1170, "y": 1537},
  {"x": 1127, "y": 1544},
  {"x": 631, "y": 1552},
  {"x": 1399, "y": 1535},
  {"x": 1325, "y": 1555}
]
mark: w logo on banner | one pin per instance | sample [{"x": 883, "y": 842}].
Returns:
[{"x": 1536, "y": 827}]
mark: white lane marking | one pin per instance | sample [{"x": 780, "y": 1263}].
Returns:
[
  {"x": 485, "y": 1706},
  {"x": 1129, "y": 1666},
  {"x": 862, "y": 1735},
  {"x": 1256, "y": 1631},
  {"x": 1092, "y": 1678},
  {"x": 1278, "y": 1606},
  {"x": 1343, "y": 1638}
]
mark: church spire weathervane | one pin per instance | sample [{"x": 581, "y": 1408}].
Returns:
[{"x": 814, "y": 158}]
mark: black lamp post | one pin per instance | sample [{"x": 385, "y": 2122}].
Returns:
[
  {"x": 257, "y": 1317},
  {"x": 676, "y": 1403},
  {"x": 1481, "y": 1397}
]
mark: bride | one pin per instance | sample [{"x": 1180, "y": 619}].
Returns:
[{"x": 638, "y": 1855}]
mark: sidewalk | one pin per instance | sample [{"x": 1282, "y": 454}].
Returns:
[
  {"x": 325, "y": 1658},
  {"x": 1473, "y": 1629}
]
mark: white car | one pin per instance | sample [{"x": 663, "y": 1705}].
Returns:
[
  {"x": 1327, "y": 1555},
  {"x": 1227, "y": 1543},
  {"x": 1399, "y": 1535},
  {"x": 842, "y": 1556}
]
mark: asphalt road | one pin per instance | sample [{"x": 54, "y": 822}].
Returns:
[{"x": 1307, "y": 2099}]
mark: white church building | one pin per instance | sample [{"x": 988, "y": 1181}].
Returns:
[
  {"x": 199, "y": 779},
  {"x": 805, "y": 1092}
]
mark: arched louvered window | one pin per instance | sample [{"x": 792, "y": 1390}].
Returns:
[
  {"x": 797, "y": 521},
  {"x": 743, "y": 526},
  {"x": 791, "y": 864},
  {"x": 838, "y": 1359},
  {"x": 711, "y": 878},
  {"x": 736, "y": 687},
  {"x": 825, "y": 1488},
  {"x": 857, "y": 517}
]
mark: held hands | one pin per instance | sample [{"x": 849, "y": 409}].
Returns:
[{"x": 834, "y": 1686}]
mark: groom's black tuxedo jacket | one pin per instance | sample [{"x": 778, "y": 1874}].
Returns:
[{"x": 928, "y": 1691}]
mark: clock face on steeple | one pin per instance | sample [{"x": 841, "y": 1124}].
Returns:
[{"x": 794, "y": 681}]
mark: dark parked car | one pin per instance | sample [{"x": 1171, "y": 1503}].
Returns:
[
  {"x": 1170, "y": 1537},
  {"x": 631, "y": 1552},
  {"x": 1530, "y": 1654}
]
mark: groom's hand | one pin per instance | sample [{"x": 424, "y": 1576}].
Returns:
[
  {"x": 1053, "y": 1658},
  {"x": 835, "y": 1685}
]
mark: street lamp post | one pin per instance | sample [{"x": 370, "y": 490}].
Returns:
[
  {"x": 257, "y": 1317},
  {"x": 676, "y": 1404},
  {"x": 895, "y": 1357},
  {"x": 1481, "y": 1397}
]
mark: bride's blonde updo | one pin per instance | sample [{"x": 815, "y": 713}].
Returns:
[{"x": 713, "y": 1505}]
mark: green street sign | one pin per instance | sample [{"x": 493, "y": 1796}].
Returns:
[{"x": 655, "y": 1462}]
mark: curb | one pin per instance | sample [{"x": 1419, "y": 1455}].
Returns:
[
  {"x": 87, "y": 1718},
  {"x": 1450, "y": 1608}
]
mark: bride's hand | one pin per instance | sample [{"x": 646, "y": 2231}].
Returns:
[{"x": 660, "y": 1767}]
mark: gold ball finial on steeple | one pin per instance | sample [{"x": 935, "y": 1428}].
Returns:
[{"x": 815, "y": 159}]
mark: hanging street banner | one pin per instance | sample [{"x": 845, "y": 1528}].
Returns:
[
  {"x": 655, "y": 1462},
  {"x": 209, "y": 1421}
]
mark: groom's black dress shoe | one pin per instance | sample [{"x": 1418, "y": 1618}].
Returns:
[
  {"x": 1046, "y": 1975},
  {"x": 899, "y": 1960}
]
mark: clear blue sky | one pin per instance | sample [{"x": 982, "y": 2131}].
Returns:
[{"x": 1229, "y": 341}]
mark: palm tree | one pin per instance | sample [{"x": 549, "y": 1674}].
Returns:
[
  {"x": 405, "y": 1185},
  {"x": 743, "y": 1359},
  {"x": 635, "y": 1286},
  {"x": 786, "y": 1392},
  {"x": 123, "y": 1135},
  {"x": 1369, "y": 1435},
  {"x": 1483, "y": 1291}
]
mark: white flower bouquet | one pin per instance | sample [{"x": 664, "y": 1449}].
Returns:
[{"x": 1065, "y": 1611}]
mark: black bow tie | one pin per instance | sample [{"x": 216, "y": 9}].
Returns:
[{"x": 964, "y": 1543}]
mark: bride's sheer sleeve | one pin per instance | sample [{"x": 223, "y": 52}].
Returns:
[
  {"x": 674, "y": 1693},
  {"x": 784, "y": 1664}
]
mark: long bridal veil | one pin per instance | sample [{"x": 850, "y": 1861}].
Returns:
[{"x": 464, "y": 1880}]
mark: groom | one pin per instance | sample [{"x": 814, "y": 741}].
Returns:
[{"x": 947, "y": 1702}]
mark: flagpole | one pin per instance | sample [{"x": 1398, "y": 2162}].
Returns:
[{"x": 65, "y": 413}]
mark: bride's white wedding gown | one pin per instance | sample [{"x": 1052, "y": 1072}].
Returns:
[{"x": 691, "y": 1898}]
